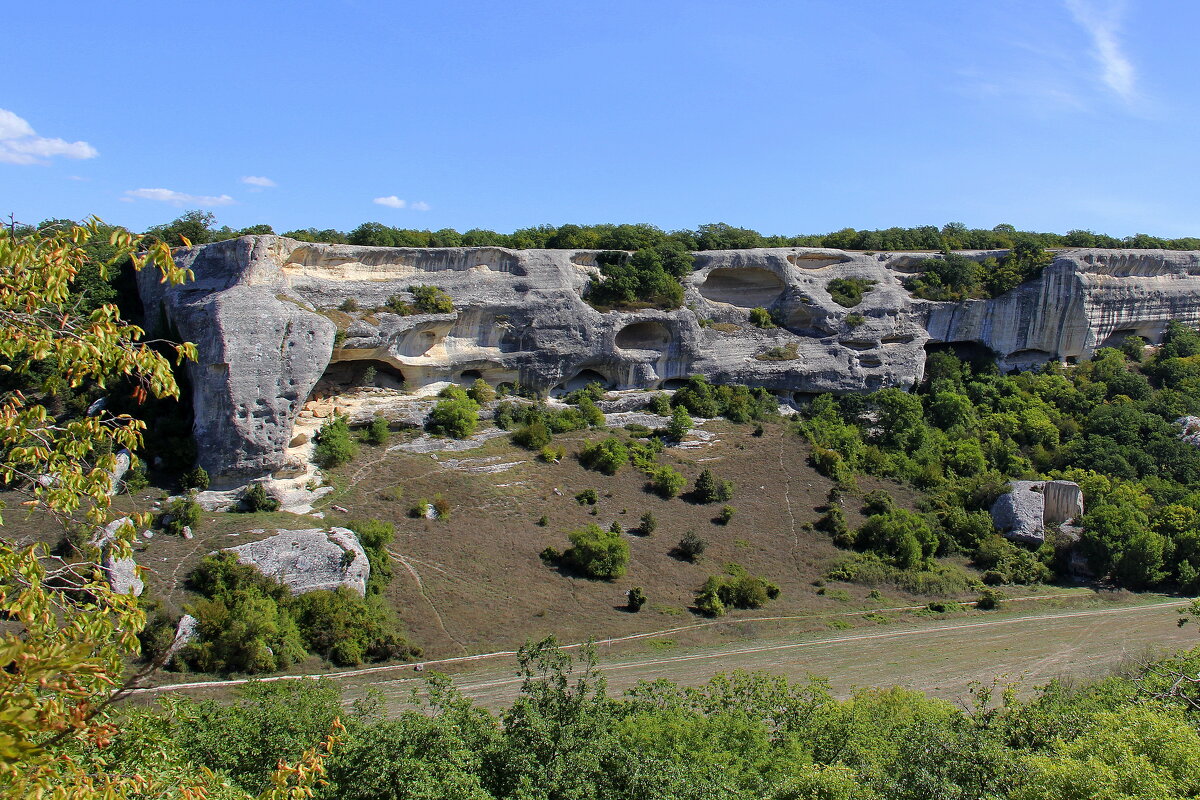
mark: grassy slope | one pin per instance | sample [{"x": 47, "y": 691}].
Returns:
[{"x": 482, "y": 584}]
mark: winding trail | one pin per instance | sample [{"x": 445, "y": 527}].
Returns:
[
  {"x": 421, "y": 588},
  {"x": 787, "y": 499}
]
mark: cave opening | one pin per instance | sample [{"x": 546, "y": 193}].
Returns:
[
  {"x": 748, "y": 287},
  {"x": 344, "y": 376}
]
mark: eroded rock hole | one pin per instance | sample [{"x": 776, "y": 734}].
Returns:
[
  {"x": 342, "y": 376},
  {"x": 749, "y": 287},
  {"x": 582, "y": 379},
  {"x": 649, "y": 335}
]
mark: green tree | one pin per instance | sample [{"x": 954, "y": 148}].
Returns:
[
  {"x": 598, "y": 553},
  {"x": 64, "y": 651},
  {"x": 456, "y": 415}
]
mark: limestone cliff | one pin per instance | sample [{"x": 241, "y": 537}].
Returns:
[{"x": 264, "y": 313}]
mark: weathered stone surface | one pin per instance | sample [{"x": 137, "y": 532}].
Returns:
[
  {"x": 121, "y": 573},
  {"x": 185, "y": 631},
  {"x": 263, "y": 312},
  {"x": 1022, "y": 513},
  {"x": 309, "y": 560}
]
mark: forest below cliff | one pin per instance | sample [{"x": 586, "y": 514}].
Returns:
[{"x": 1133, "y": 735}]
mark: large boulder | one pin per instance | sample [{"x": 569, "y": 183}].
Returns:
[
  {"x": 275, "y": 343},
  {"x": 310, "y": 560},
  {"x": 1022, "y": 513}
]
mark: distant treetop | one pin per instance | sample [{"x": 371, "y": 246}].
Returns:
[{"x": 200, "y": 227}]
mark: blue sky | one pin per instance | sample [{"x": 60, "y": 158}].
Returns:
[{"x": 787, "y": 117}]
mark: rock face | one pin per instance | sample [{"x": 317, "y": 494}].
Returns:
[
  {"x": 1023, "y": 513},
  {"x": 264, "y": 313},
  {"x": 309, "y": 560}
]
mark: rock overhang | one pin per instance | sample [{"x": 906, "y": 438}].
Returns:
[{"x": 264, "y": 312}]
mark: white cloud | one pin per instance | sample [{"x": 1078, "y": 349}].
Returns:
[
  {"x": 19, "y": 144},
  {"x": 1101, "y": 21},
  {"x": 179, "y": 198},
  {"x": 391, "y": 201},
  {"x": 259, "y": 181}
]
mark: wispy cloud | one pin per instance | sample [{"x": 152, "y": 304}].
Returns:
[
  {"x": 20, "y": 144},
  {"x": 178, "y": 198},
  {"x": 258, "y": 181},
  {"x": 1101, "y": 20},
  {"x": 392, "y": 201}
]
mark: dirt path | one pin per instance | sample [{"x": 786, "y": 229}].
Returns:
[{"x": 941, "y": 658}]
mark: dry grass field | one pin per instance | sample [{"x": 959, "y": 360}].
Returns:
[{"x": 474, "y": 583}]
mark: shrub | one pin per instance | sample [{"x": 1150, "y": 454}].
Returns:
[
  {"x": 854, "y": 320},
  {"x": 349, "y": 304},
  {"x": 457, "y": 415},
  {"x": 788, "y": 352},
  {"x": 533, "y": 436},
  {"x": 667, "y": 481},
  {"x": 257, "y": 499},
  {"x": 598, "y": 553},
  {"x": 711, "y": 489},
  {"x": 761, "y": 318},
  {"x": 192, "y": 479},
  {"x": 420, "y": 509},
  {"x": 182, "y": 512},
  {"x": 481, "y": 392},
  {"x": 877, "y": 502},
  {"x": 691, "y": 546},
  {"x": 550, "y": 555},
  {"x": 377, "y": 432},
  {"x": 989, "y": 599},
  {"x": 648, "y": 524},
  {"x": 726, "y": 515},
  {"x": 1005, "y": 562},
  {"x": 680, "y": 424},
  {"x": 737, "y": 589},
  {"x": 637, "y": 598},
  {"x": 848, "y": 292},
  {"x": 393, "y": 494},
  {"x": 901, "y": 537},
  {"x": 334, "y": 443},
  {"x": 551, "y": 454},
  {"x": 587, "y": 497},
  {"x": 398, "y": 305},
  {"x": 606, "y": 456},
  {"x": 660, "y": 404},
  {"x": 431, "y": 300},
  {"x": 591, "y": 413},
  {"x": 375, "y": 535},
  {"x": 441, "y": 507},
  {"x": 543, "y": 521}
]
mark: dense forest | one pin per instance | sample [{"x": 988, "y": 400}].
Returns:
[
  {"x": 1108, "y": 424},
  {"x": 741, "y": 735}
]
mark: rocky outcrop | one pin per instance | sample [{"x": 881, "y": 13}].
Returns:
[
  {"x": 121, "y": 573},
  {"x": 1022, "y": 513},
  {"x": 310, "y": 560},
  {"x": 266, "y": 313}
]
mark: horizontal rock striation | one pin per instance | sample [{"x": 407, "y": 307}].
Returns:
[{"x": 266, "y": 313}]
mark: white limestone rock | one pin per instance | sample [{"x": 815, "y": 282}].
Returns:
[
  {"x": 309, "y": 560},
  {"x": 121, "y": 573},
  {"x": 264, "y": 311},
  {"x": 1022, "y": 513}
]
